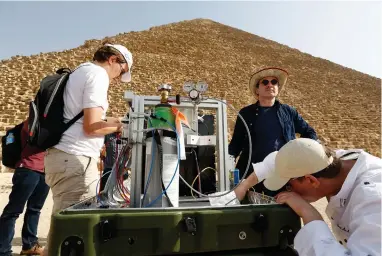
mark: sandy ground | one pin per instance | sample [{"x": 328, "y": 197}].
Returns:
[{"x": 43, "y": 228}]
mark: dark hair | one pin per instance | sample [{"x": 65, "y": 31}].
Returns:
[{"x": 105, "y": 52}]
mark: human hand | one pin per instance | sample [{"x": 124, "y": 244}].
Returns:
[
  {"x": 115, "y": 120},
  {"x": 120, "y": 128},
  {"x": 301, "y": 207}
]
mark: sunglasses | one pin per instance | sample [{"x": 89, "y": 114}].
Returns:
[
  {"x": 265, "y": 82},
  {"x": 123, "y": 71},
  {"x": 288, "y": 186}
]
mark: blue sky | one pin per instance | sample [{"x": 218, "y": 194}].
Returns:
[{"x": 346, "y": 32}]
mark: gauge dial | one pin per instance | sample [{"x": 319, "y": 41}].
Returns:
[
  {"x": 194, "y": 94},
  {"x": 201, "y": 86},
  {"x": 188, "y": 86}
]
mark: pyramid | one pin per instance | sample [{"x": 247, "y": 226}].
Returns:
[{"x": 341, "y": 104}]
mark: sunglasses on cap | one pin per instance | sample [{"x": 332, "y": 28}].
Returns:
[{"x": 265, "y": 82}]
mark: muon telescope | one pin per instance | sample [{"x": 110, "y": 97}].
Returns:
[{"x": 156, "y": 200}]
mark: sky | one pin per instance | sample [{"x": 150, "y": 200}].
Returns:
[{"x": 348, "y": 33}]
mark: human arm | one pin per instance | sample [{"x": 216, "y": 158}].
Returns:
[
  {"x": 113, "y": 119},
  {"x": 93, "y": 124},
  {"x": 316, "y": 239},
  {"x": 238, "y": 138},
  {"x": 302, "y": 127},
  {"x": 95, "y": 104},
  {"x": 261, "y": 171}
]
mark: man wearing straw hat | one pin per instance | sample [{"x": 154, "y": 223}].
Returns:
[{"x": 271, "y": 123}]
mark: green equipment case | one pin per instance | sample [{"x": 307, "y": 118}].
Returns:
[{"x": 194, "y": 228}]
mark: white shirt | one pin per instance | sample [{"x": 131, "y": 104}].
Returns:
[
  {"x": 355, "y": 212},
  {"x": 86, "y": 88}
]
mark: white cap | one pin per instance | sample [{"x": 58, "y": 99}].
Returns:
[
  {"x": 126, "y": 77},
  {"x": 296, "y": 159}
]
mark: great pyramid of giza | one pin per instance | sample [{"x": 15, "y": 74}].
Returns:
[{"x": 343, "y": 105}]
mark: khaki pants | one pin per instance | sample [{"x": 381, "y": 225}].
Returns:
[{"x": 71, "y": 178}]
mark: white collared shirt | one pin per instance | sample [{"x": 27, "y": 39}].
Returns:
[{"x": 355, "y": 214}]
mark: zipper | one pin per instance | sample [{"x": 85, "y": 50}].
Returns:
[{"x": 53, "y": 94}]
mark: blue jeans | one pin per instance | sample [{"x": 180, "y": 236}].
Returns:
[{"x": 29, "y": 188}]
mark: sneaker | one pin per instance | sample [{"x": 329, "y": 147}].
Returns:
[{"x": 35, "y": 250}]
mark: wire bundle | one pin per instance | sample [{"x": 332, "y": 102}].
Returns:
[{"x": 115, "y": 192}]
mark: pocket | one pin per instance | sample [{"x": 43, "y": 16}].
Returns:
[
  {"x": 55, "y": 161},
  {"x": 77, "y": 165}
]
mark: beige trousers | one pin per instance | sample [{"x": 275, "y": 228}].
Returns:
[{"x": 71, "y": 178}]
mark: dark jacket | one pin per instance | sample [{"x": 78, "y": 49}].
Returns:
[{"x": 291, "y": 123}]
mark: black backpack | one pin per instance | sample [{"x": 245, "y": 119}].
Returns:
[
  {"x": 46, "y": 113},
  {"x": 11, "y": 146}
]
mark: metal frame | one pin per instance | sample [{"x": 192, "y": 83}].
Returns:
[{"x": 139, "y": 102}]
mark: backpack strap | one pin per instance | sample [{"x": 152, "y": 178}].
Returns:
[{"x": 74, "y": 119}]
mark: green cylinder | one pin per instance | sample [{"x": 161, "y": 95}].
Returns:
[{"x": 165, "y": 112}]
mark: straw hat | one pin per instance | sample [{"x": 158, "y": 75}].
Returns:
[{"x": 280, "y": 74}]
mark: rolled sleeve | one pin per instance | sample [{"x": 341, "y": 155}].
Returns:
[{"x": 265, "y": 168}]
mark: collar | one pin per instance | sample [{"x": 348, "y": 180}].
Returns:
[
  {"x": 340, "y": 200},
  {"x": 276, "y": 104}
]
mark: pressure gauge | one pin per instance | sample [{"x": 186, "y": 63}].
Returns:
[
  {"x": 188, "y": 86},
  {"x": 194, "y": 94},
  {"x": 201, "y": 86}
]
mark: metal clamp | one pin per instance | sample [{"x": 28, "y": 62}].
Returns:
[
  {"x": 106, "y": 231},
  {"x": 72, "y": 245},
  {"x": 286, "y": 237},
  {"x": 190, "y": 225}
]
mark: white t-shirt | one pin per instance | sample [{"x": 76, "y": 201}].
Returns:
[{"x": 86, "y": 88}]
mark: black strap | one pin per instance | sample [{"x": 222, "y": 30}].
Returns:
[{"x": 75, "y": 119}]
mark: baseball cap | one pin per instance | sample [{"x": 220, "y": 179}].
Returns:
[
  {"x": 295, "y": 159},
  {"x": 126, "y": 77}
]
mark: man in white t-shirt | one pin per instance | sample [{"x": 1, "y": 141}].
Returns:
[
  {"x": 349, "y": 179},
  {"x": 71, "y": 168}
]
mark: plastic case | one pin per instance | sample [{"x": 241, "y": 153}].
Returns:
[{"x": 192, "y": 229}]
